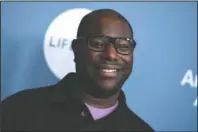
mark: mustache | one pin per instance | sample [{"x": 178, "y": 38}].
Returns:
[
  {"x": 110, "y": 65},
  {"x": 116, "y": 63}
]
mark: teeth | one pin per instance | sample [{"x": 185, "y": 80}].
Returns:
[{"x": 109, "y": 70}]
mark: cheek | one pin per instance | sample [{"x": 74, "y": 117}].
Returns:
[
  {"x": 93, "y": 57},
  {"x": 91, "y": 60},
  {"x": 90, "y": 56},
  {"x": 128, "y": 61}
]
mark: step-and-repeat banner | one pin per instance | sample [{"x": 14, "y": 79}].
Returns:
[{"x": 36, "y": 39}]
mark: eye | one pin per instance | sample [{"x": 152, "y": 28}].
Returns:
[
  {"x": 123, "y": 46},
  {"x": 97, "y": 44}
]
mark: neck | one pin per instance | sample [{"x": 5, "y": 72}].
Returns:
[{"x": 100, "y": 103}]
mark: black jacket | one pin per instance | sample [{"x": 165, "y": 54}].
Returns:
[{"x": 54, "y": 108}]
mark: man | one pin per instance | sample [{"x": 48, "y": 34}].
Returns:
[{"x": 91, "y": 98}]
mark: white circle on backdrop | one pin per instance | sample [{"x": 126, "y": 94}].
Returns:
[{"x": 57, "y": 42}]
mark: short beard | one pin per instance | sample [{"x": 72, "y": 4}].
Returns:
[
  {"x": 88, "y": 85},
  {"x": 99, "y": 92},
  {"x": 96, "y": 91}
]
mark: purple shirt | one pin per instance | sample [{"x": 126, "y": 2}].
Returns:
[{"x": 100, "y": 113}]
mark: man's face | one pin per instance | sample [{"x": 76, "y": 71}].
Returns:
[{"x": 107, "y": 69}]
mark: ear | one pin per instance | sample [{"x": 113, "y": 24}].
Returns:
[
  {"x": 74, "y": 45},
  {"x": 77, "y": 49},
  {"x": 74, "y": 48}
]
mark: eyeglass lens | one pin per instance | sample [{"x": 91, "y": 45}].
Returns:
[{"x": 98, "y": 43}]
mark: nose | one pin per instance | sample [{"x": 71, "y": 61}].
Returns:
[{"x": 110, "y": 52}]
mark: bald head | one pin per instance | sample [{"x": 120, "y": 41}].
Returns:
[
  {"x": 105, "y": 38},
  {"x": 93, "y": 20}
]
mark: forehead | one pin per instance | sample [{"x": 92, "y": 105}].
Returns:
[{"x": 110, "y": 27}]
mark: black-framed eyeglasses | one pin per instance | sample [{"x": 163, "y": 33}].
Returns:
[{"x": 123, "y": 45}]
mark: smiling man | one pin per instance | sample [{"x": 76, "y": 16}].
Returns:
[{"x": 91, "y": 98}]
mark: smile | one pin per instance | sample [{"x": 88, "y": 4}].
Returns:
[
  {"x": 109, "y": 73},
  {"x": 108, "y": 70}
]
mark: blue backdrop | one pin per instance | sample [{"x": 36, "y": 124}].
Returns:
[{"x": 163, "y": 86}]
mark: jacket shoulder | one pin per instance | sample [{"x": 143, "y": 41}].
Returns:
[
  {"x": 20, "y": 108},
  {"x": 134, "y": 122},
  {"x": 28, "y": 96}
]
